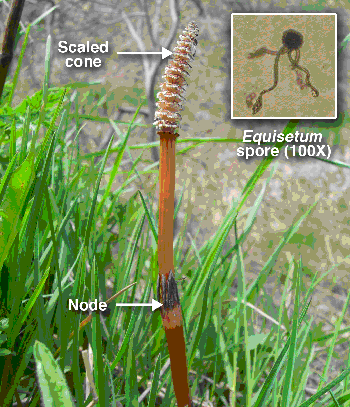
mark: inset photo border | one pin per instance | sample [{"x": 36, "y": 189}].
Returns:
[{"x": 284, "y": 66}]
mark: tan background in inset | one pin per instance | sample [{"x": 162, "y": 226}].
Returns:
[{"x": 318, "y": 52}]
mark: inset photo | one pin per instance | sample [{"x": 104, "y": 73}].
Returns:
[{"x": 284, "y": 66}]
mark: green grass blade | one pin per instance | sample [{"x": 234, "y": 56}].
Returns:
[
  {"x": 154, "y": 388},
  {"x": 12, "y": 204},
  {"x": 265, "y": 163},
  {"x": 126, "y": 341},
  {"x": 243, "y": 311},
  {"x": 13, "y": 140},
  {"x": 341, "y": 400},
  {"x": 117, "y": 162},
  {"x": 91, "y": 216},
  {"x": 286, "y": 394},
  {"x": 46, "y": 141},
  {"x": 19, "y": 64},
  {"x": 45, "y": 91},
  {"x": 265, "y": 391},
  {"x": 42, "y": 16},
  {"x": 333, "y": 341},
  {"x": 20, "y": 362},
  {"x": 199, "y": 329},
  {"x": 326, "y": 389},
  {"x": 103, "y": 393},
  {"x": 150, "y": 218},
  {"x": 131, "y": 390},
  {"x": 53, "y": 385},
  {"x": 271, "y": 261},
  {"x": 25, "y": 135},
  {"x": 215, "y": 248},
  {"x": 33, "y": 298},
  {"x": 6, "y": 179}
]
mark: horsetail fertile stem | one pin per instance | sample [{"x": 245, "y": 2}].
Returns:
[{"x": 167, "y": 122}]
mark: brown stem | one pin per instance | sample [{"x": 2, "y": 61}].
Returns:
[
  {"x": 178, "y": 364},
  {"x": 167, "y": 122},
  {"x": 166, "y": 204},
  {"x": 167, "y": 286}
]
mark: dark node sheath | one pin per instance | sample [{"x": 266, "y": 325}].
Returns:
[
  {"x": 172, "y": 293},
  {"x": 167, "y": 291},
  {"x": 161, "y": 289},
  {"x": 106, "y": 312}
]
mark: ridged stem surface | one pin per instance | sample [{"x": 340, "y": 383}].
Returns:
[
  {"x": 166, "y": 205},
  {"x": 171, "y": 315}
]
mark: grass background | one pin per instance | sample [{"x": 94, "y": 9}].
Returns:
[{"x": 212, "y": 178}]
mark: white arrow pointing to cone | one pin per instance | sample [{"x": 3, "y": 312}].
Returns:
[
  {"x": 155, "y": 304},
  {"x": 165, "y": 53}
]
